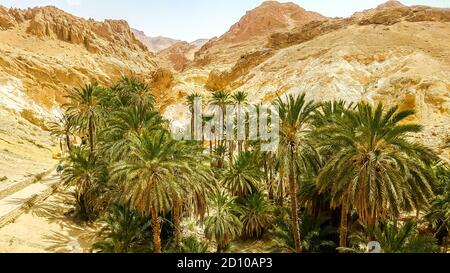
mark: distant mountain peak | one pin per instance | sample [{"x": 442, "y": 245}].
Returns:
[
  {"x": 270, "y": 16},
  {"x": 155, "y": 44},
  {"x": 390, "y": 4}
]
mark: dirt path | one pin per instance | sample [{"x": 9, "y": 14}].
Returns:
[{"x": 46, "y": 228}]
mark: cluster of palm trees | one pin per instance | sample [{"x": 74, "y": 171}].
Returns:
[{"x": 340, "y": 170}]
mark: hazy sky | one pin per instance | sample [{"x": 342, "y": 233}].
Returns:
[{"x": 192, "y": 19}]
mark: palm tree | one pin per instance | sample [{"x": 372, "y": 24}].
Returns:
[
  {"x": 268, "y": 161},
  {"x": 256, "y": 216},
  {"x": 317, "y": 233},
  {"x": 222, "y": 225},
  {"x": 243, "y": 177},
  {"x": 131, "y": 92},
  {"x": 190, "y": 101},
  {"x": 205, "y": 120},
  {"x": 63, "y": 128},
  {"x": 87, "y": 173},
  {"x": 240, "y": 100},
  {"x": 84, "y": 108},
  {"x": 438, "y": 214},
  {"x": 281, "y": 162},
  {"x": 192, "y": 245},
  {"x": 125, "y": 231},
  {"x": 439, "y": 217},
  {"x": 200, "y": 184},
  {"x": 155, "y": 171},
  {"x": 396, "y": 238},
  {"x": 221, "y": 99},
  {"x": 123, "y": 125},
  {"x": 329, "y": 111},
  {"x": 295, "y": 114},
  {"x": 375, "y": 168}
]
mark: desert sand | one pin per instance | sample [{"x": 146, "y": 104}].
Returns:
[{"x": 47, "y": 228}]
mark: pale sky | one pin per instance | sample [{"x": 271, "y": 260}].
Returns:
[{"x": 193, "y": 19}]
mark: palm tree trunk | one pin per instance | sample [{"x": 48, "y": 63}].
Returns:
[
  {"x": 219, "y": 248},
  {"x": 446, "y": 243},
  {"x": 372, "y": 223},
  {"x": 267, "y": 177},
  {"x": 192, "y": 124},
  {"x": 224, "y": 138},
  {"x": 156, "y": 229},
  {"x": 281, "y": 190},
  {"x": 294, "y": 205},
  {"x": 68, "y": 143},
  {"x": 91, "y": 135},
  {"x": 271, "y": 186},
  {"x": 177, "y": 224},
  {"x": 60, "y": 144},
  {"x": 231, "y": 151},
  {"x": 343, "y": 226}
]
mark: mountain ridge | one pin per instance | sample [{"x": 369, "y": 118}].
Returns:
[{"x": 380, "y": 55}]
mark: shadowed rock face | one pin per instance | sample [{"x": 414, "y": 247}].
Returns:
[
  {"x": 393, "y": 53},
  {"x": 49, "y": 51}
]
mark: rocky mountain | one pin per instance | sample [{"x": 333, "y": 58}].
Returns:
[
  {"x": 154, "y": 44},
  {"x": 388, "y": 4},
  {"x": 252, "y": 30},
  {"x": 181, "y": 54},
  {"x": 392, "y": 53},
  {"x": 43, "y": 53},
  {"x": 199, "y": 42},
  {"x": 174, "y": 54}
]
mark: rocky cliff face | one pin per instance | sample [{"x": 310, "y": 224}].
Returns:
[
  {"x": 392, "y": 53},
  {"x": 46, "y": 51},
  {"x": 97, "y": 37},
  {"x": 269, "y": 17},
  {"x": 181, "y": 54},
  {"x": 43, "y": 53},
  {"x": 173, "y": 53}
]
